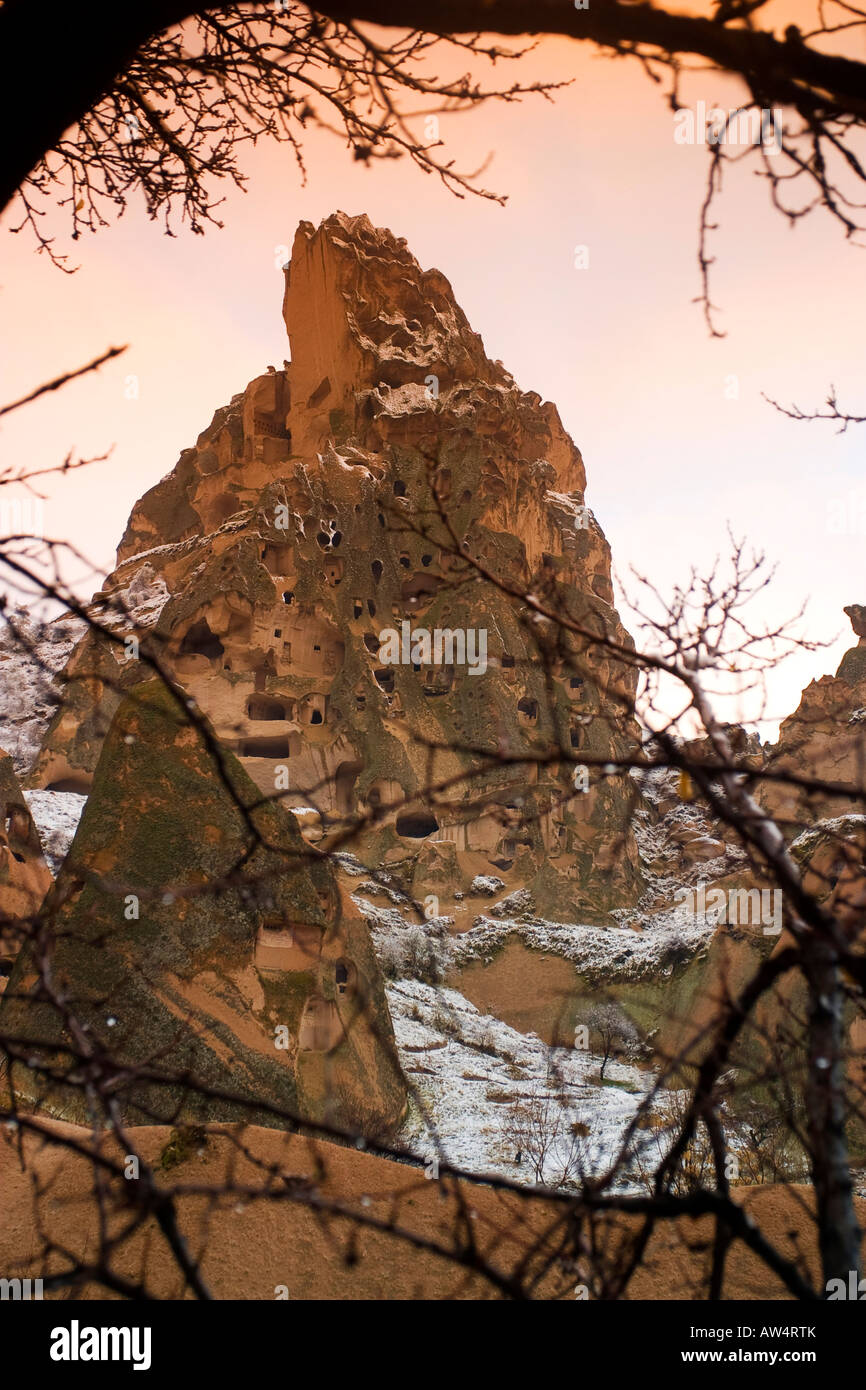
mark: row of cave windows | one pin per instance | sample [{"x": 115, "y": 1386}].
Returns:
[
  {"x": 200, "y": 640},
  {"x": 334, "y": 569},
  {"x": 417, "y": 589},
  {"x": 423, "y": 584},
  {"x": 311, "y": 710}
]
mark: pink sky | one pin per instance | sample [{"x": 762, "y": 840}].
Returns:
[{"x": 619, "y": 347}]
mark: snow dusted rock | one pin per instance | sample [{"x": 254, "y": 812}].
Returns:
[
  {"x": 486, "y": 885},
  {"x": 601, "y": 954},
  {"x": 147, "y": 594},
  {"x": 36, "y": 656},
  {"x": 31, "y": 655},
  {"x": 96, "y": 675},
  {"x": 56, "y": 815},
  {"x": 515, "y": 904}
]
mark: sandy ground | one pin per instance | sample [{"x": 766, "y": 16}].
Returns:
[{"x": 270, "y": 1243}]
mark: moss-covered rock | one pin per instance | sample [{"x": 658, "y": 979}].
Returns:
[{"x": 196, "y": 933}]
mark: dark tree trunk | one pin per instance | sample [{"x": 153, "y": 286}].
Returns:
[{"x": 838, "y": 1232}]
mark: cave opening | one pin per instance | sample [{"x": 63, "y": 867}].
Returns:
[
  {"x": 416, "y": 825},
  {"x": 200, "y": 641},
  {"x": 265, "y": 707}
]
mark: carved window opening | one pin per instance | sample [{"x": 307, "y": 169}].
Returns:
[
  {"x": 527, "y": 710},
  {"x": 264, "y": 748},
  {"x": 385, "y": 679}
]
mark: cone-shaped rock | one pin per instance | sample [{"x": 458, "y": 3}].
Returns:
[{"x": 181, "y": 943}]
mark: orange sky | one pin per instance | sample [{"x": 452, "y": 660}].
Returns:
[{"x": 619, "y": 347}]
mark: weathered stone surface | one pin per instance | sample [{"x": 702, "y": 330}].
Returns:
[
  {"x": 857, "y": 613},
  {"x": 339, "y": 498},
  {"x": 24, "y": 875},
  {"x": 825, "y": 738},
  {"x": 166, "y": 952},
  {"x": 94, "y": 679}
]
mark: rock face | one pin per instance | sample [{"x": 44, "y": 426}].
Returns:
[
  {"x": 32, "y": 653},
  {"x": 24, "y": 875},
  {"x": 261, "y": 980},
  {"x": 388, "y": 484},
  {"x": 825, "y": 738},
  {"x": 88, "y": 690}
]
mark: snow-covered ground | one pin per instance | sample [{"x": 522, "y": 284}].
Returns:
[
  {"x": 478, "y": 1081},
  {"x": 56, "y": 815},
  {"x": 470, "y": 1071}
]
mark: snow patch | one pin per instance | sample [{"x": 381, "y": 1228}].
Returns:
[
  {"x": 469, "y": 1071},
  {"x": 56, "y": 815}
]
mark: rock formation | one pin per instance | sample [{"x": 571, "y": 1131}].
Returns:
[
  {"x": 24, "y": 876},
  {"x": 389, "y": 483},
  {"x": 824, "y": 738},
  {"x": 182, "y": 940}
]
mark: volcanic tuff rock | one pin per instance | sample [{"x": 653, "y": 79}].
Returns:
[
  {"x": 390, "y": 474},
  {"x": 262, "y": 984},
  {"x": 24, "y": 875},
  {"x": 825, "y": 738}
]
